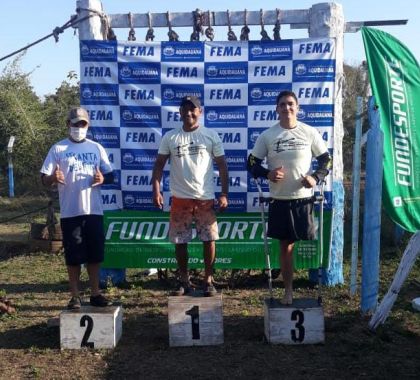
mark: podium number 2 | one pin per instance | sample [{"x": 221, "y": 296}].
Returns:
[
  {"x": 87, "y": 319},
  {"x": 298, "y": 316},
  {"x": 195, "y": 321}
]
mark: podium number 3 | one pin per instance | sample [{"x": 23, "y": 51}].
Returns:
[
  {"x": 195, "y": 321},
  {"x": 298, "y": 316},
  {"x": 87, "y": 319}
]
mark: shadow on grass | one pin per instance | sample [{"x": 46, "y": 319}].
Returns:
[
  {"x": 34, "y": 288},
  {"x": 32, "y": 337}
]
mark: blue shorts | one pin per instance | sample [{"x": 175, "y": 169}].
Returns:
[
  {"x": 291, "y": 220},
  {"x": 83, "y": 239}
]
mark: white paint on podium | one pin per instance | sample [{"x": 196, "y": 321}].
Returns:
[{"x": 94, "y": 327}]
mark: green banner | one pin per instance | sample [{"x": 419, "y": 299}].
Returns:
[
  {"x": 135, "y": 239},
  {"x": 395, "y": 79}
]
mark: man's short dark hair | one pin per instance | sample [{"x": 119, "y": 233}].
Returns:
[{"x": 286, "y": 93}]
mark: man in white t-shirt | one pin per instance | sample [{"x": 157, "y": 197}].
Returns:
[
  {"x": 289, "y": 147},
  {"x": 192, "y": 149},
  {"x": 78, "y": 166}
]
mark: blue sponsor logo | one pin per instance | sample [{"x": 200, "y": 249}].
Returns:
[
  {"x": 315, "y": 48},
  {"x": 230, "y": 137},
  {"x": 148, "y": 72},
  {"x": 314, "y": 70},
  {"x": 100, "y": 115},
  {"x": 273, "y": 71},
  {"x": 138, "y": 51},
  {"x": 265, "y": 94},
  {"x": 138, "y": 200},
  {"x": 138, "y": 180},
  {"x": 265, "y": 115},
  {"x": 181, "y": 72},
  {"x": 166, "y": 181},
  {"x": 253, "y": 134},
  {"x": 106, "y": 94},
  {"x": 237, "y": 202},
  {"x": 172, "y": 95},
  {"x": 140, "y": 137},
  {"x": 314, "y": 93},
  {"x": 317, "y": 115},
  {"x": 182, "y": 51},
  {"x": 139, "y": 94},
  {"x": 98, "y": 51},
  {"x": 97, "y": 72},
  {"x": 225, "y": 51},
  {"x": 270, "y": 50},
  {"x": 224, "y": 116},
  {"x": 226, "y": 72},
  {"x": 109, "y": 199},
  {"x": 140, "y": 159},
  {"x": 235, "y": 159},
  {"x": 140, "y": 116},
  {"x": 107, "y": 137},
  {"x": 252, "y": 187},
  {"x": 225, "y": 94}
]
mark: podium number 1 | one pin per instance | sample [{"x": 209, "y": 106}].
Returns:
[
  {"x": 87, "y": 319},
  {"x": 195, "y": 321},
  {"x": 298, "y": 316}
]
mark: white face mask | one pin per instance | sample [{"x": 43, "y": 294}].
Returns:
[{"x": 78, "y": 134}]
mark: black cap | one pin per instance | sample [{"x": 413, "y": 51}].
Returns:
[{"x": 191, "y": 99}]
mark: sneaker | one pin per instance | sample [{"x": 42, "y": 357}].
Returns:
[
  {"x": 75, "y": 303},
  {"x": 100, "y": 301},
  {"x": 183, "y": 288},
  {"x": 209, "y": 290}
]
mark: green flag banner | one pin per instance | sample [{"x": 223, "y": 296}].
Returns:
[
  {"x": 395, "y": 80},
  {"x": 139, "y": 239}
]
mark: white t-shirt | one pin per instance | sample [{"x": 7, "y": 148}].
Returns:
[
  {"x": 191, "y": 161},
  {"x": 293, "y": 149},
  {"x": 78, "y": 162}
]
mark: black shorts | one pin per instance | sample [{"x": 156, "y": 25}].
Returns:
[
  {"x": 83, "y": 239},
  {"x": 291, "y": 220}
]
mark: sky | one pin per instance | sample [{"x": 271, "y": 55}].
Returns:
[{"x": 25, "y": 21}]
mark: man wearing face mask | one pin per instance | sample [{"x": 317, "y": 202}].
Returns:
[{"x": 79, "y": 166}]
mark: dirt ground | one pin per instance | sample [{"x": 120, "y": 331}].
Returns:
[{"x": 37, "y": 285}]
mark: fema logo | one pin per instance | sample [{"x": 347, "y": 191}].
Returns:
[
  {"x": 125, "y": 72},
  {"x": 87, "y": 93},
  {"x": 257, "y": 50},
  {"x": 84, "y": 50},
  {"x": 301, "y": 114},
  {"x": 129, "y": 199},
  {"x": 300, "y": 69},
  {"x": 253, "y": 137},
  {"x": 212, "y": 116},
  {"x": 128, "y": 158},
  {"x": 169, "y": 94},
  {"x": 169, "y": 51},
  {"x": 212, "y": 71},
  {"x": 256, "y": 93},
  {"x": 127, "y": 115}
]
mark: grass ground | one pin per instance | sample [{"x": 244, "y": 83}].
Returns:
[{"x": 37, "y": 284}]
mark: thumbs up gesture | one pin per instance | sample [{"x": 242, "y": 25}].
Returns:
[
  {"x": 58, "y": 175},
  {"x": 98, "y": 178}
]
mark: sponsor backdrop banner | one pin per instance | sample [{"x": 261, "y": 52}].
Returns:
[
  {"x": 395, "y": 79},
  {"x": 132, "y": 92}
]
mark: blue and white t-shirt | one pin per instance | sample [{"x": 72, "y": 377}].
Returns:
[{"x": 78, "y": 162}]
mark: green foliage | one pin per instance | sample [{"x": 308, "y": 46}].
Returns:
[{"x": 36, "y": 124}]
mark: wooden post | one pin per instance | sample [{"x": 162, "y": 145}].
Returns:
[
  {"x": 357, "y": 153},
  {"x": 327, "y": 20},
  {"x": 372, "y": 213}
]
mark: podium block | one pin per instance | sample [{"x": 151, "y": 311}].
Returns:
[
  {"x": 93, "y": 327},
  {"x": 195, "y": 320},
  {"x": 299, "y": 323}
]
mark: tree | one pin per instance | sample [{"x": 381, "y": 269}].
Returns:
[{"x": 21, "y": 115}]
